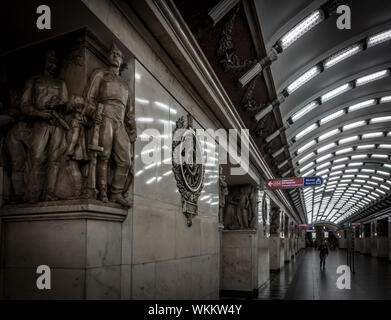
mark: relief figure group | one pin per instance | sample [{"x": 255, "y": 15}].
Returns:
[{"x": 44, "y": 130}]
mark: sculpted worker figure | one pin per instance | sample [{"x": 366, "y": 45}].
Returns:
[
  {"x": 117, "y": 127},
  {"x": 41, "y": 101}
]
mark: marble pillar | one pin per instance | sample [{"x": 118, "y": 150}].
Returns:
[
  {"x": 374, "y": 237},
  {"x": 239, "y": 258},
  {"x": 342, "y": 241},
  {"x": 357, "y": 239},
  {"x": 286, "y": 239},
  {"x": 276, "y": 244},
  {"x": 79, "y": 240},
  {"x": 366, "y": 243},
  {"x": 382, "y": 238}
]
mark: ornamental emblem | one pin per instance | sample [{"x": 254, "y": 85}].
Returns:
[{"x": 188, "y": 166}]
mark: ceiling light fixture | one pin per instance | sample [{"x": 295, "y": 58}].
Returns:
[
  {"x": 372, "y": 77},
  {"x": 379, "y": 38},
  {"x": 342, "y": 55},
  {"x": 309, "y": 107},
  {"x": 303, "y": 79},
  {"x": 301, "y": 28},
  {"x": 362, "y": 105},
  {"x": 335, "y": 92},
  {"x": 306, "y": 130}
]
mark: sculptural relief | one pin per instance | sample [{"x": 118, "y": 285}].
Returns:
[
  {"x": 241, "y": 208},
  {"x": 114, "y": 129},
  {"x": 62, "y": 146},
  {"x": 42, "y": 101},
  {"x": 17, "y": 144}
]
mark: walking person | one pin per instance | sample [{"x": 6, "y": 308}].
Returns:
[{"x": 323, "y": 253}]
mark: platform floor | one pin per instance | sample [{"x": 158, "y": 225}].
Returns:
[{"x": 303, "y": 279}]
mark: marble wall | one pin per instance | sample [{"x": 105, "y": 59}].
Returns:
[{"x": 169, "y": 259}]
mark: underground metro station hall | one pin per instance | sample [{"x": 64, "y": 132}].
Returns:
[{"x": 179, "y": 150}]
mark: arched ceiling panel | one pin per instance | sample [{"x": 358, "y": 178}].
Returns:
[{"x": 336, "y": 111}]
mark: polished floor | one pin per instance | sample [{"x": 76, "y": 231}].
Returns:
[{"x": 303, "y": 279}]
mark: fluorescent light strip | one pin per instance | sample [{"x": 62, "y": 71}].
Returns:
[
  {"x": 385, "y": 99},
  {"x": 306, "y": 146},
  {"x": 372, "y": 135},
  {"x": 372, "y": 77},
  {"x": 332, "y": 116},
  {"x": 306, "y": 130},
  {"x": 354, "y": 125},
  {"x": 342, "y": 55},
  {"x": 309, "y": 107},
  {"x": 379, "y": 38},
  {"x": 301, "y": 28},
  {"x": 308, "y": 156},
  {"x": 303, "y": 79},
  {"x": 335, "y": 92},
  {"x": 326, "y": 147},
  {"x": 366, "y": 146},
  {"x": 347, "y": 140},
  {"x": 381, "y": 119},
  {"x": 329, "y": 134},
  {"x": 342, "y": 151},
  {"x": 362, "y": 105}
]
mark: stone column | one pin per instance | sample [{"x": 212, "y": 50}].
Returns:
[
  {"x": 297, "y": 244},
  {"x": 287, "y": 239},
  {"x": 240, "y": 243},
  {"x": 382, "y": 238},
  {"x": 374, "y": 235},
  {"x": 357, "y": 239},
  {"x": 276, "y": 247},
  {"x": 366, "y": 248},
  {"x": 292, "y": 239}
]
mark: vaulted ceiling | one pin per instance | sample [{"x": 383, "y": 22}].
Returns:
[
  {"x": 336, "y": 112},
  {"x": 318, "y": 98}
]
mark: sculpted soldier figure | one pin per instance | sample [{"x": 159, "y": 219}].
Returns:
[
  {"x": 117, "y": 127},
  {"x": 17, "y": 144},
  {"x": 42, "y": 99}
]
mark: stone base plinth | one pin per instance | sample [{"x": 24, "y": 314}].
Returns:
[
  {"x": 239, "y": 262},
  {"x": 276, "y": 252},
  {"x": 80, "y": 241}
]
